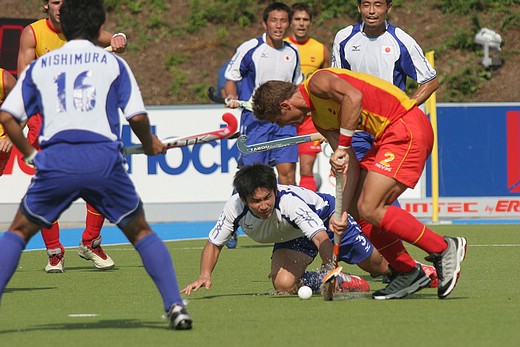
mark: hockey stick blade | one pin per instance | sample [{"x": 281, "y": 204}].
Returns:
[
  {"x": 217, "y": 99},
  {"x": 173, "y": 142},
  {"x": 332, "y": 274},
  {"x": 267, "y": 146}
]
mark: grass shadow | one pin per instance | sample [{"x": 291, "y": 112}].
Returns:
[
  {"x": 100, "y": 324},
  {"x": 14, "y": 290}
]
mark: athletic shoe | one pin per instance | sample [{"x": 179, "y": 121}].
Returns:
[
  {"x": 448, "y": 264},
  {"x": 55, "y": 262},
  {"x": 352, "y": 283},
  {"x": 233, "y": 241},
  {"x": 428, "y": 270},
  {"x": 403, "y": 284},
  {"x": 92, "y": 250},
  {"x": 431, "y": 272},
  {"x": 179, "y": 318}
]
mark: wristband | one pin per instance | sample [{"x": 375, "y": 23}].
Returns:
[
  {"x": 120, "y": 34},
  {"x": 345, "y": 138}
]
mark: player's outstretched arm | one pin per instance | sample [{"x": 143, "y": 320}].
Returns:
[
  {"x": 324, "y": 245},
  {"x": 117, "y": 42},
  {"x": 140, "y": 125},
  {"x": 208, "y": 261}
]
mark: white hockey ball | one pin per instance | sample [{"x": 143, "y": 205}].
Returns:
[{"x": 305, "y": 292}]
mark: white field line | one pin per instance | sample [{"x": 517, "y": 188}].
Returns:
[{"x": 200, "y": 248}]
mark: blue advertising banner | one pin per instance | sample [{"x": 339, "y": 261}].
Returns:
[{"x": 479, "y": 150}]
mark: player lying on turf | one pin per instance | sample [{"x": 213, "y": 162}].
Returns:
[
  {"x": 342, "y": 101},
  {"x": 296, "y": 220}
]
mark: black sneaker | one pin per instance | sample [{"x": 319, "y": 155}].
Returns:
[
  {"x": 179, "y": 318},
  {"x": 403, "y": 284},
  {"x": 447, "y": 264}
]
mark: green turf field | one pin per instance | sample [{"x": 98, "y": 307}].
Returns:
[{"x": 240, "y": 310}]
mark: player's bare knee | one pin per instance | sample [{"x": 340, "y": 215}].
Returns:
[{"x": 284, "y": 283}]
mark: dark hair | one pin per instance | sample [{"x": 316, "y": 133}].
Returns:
[
  {"x": 277, "y": 6},
  {"x": 388, "y": 2},
  {"x": 301, "y": 6},
  {"x": 81, "y": 19},
  {"x": 268, "y": 97},
  {"x": 251, "y": 177}
]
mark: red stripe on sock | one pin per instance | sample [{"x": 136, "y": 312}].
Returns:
[{"x": 93, "y": 224}]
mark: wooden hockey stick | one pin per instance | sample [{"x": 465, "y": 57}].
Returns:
[{"x": 330, "y": 280}]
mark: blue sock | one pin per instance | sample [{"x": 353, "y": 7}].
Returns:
[
  {"x": 159, "y": 265},
  {"x": 11, "y": 247},
  {"x": 313, "y": 280}
]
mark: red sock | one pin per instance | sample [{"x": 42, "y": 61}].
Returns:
[
  {"x": 51, "y": 237},
  {"x": 93, "y": 224},
  {"x": 308, "y": 182},
  {"x": 405, "y": 226},
  {"x": 390, "y": 247}
]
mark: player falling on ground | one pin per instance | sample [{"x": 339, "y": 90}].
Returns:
[
  {"x": 36, "y": 40},
  {"x": 81, "y": 124},
  {"x": 342, "y": 101},
  {"x": 296, "y": 220}
]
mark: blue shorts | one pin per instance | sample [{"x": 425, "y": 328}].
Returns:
[
  {"x": 92, "y": 171},
  {"x": 361, "y": 143},
  {"x": 262, "y": 131},
  {"x": 354, "y": 246}
]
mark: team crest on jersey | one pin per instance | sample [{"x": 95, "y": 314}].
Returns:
[
  {"x": 313, "y": 59},
  {"x": 287, "y": 58},
  {"x": 387, "y": 49}
]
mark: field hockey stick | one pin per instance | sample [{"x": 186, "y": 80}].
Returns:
[
  {"x": 217, "y": 99},
  {"x": 329, "y": 281},
  {"x": 248, "y": 105},
  {"x": 173, "y": 142},
  {"x": 266, "y": 146}
]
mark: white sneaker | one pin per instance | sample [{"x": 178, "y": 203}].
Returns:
[
  {"x": 93, "y": 251},
  {"x": 55, "y": 262},
  {"x": 447, "y": 264}
]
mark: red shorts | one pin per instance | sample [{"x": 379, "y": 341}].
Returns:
[
  {"x": 4, "y": 159},
  {"x": 34, "y": 126},
  {"x": 403, "y": 149},
  {"x": 306, "y": 128}
]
